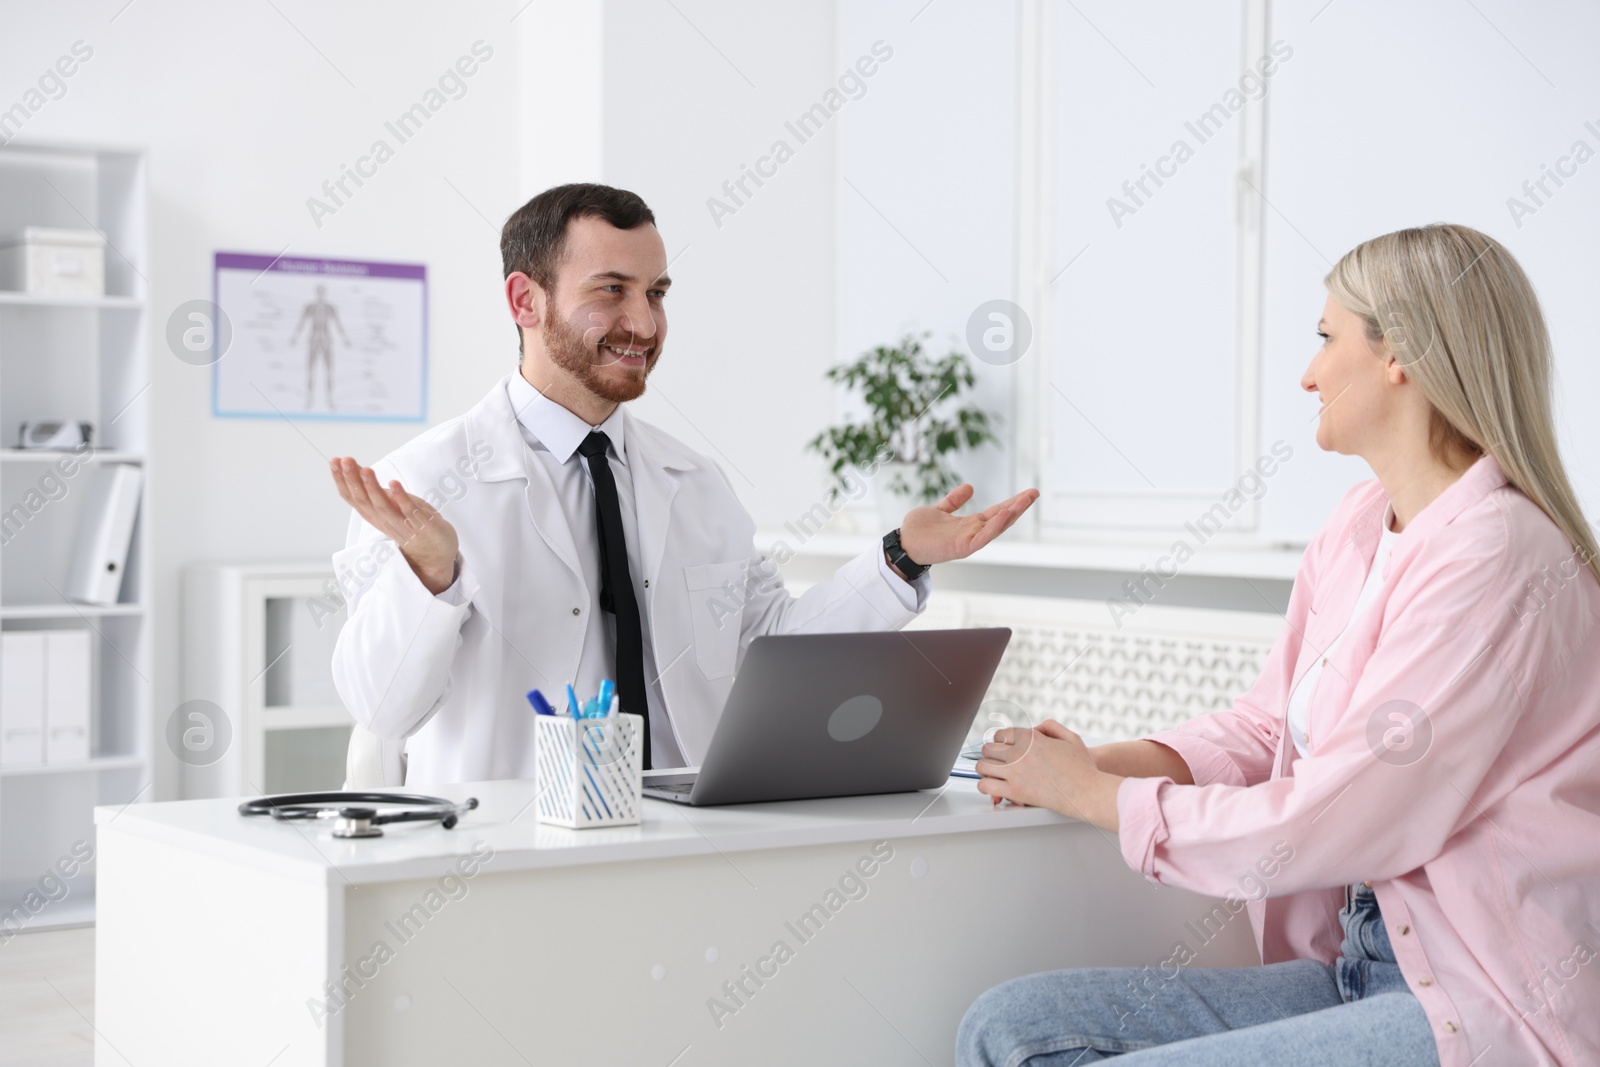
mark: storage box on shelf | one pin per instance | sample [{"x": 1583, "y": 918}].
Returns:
[
  {"x": 73, "y": 346},
  {"x": 51, "y": 262}
]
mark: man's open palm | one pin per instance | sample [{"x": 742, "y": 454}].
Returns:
[
  {"x": 426, "y": 539},
  {"x": 936, "y": 534}
]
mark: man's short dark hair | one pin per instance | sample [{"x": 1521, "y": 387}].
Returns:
[{"x": 534, "y": 238}]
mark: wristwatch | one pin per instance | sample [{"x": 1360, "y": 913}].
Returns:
[{"x": 898, "y": 558}]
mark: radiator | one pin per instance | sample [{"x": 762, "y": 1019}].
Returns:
[{"x": 1068, "y": 660}]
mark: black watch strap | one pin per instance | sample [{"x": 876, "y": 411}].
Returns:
[{"x": 897, "y": 556}]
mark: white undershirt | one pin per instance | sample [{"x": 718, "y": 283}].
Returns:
[{"x": 1300, "y": 698}]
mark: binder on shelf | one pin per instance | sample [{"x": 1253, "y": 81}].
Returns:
[
  {"x": 107, "y": 532},
  {"x": 22, "y": 697},
  {"x": 66, "y": 696}
]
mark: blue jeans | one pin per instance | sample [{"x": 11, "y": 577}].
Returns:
[{"x": 1357, "y": 1010}]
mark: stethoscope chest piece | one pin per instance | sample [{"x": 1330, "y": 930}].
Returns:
[{"x": 355, "y": 822}]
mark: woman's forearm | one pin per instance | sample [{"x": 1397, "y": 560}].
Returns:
[{"x": 1142, "y": 759}]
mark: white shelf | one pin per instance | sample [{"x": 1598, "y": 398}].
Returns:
[
  {"x": 69, "y": 611},
  {"x": 50, "y": 455},
  {"x": 1129, "y": 554},
  {"x": 115, "y": 303},
  {"x": 98, "y": 763}
]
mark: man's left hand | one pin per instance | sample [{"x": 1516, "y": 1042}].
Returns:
[{"x": 936, "y": 534}]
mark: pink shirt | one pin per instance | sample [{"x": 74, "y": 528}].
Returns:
[{"x": 1454, "y": 763}]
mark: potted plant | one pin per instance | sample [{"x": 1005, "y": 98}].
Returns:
[{"x": 910, "y": 430}]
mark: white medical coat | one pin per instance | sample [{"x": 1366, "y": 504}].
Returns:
[{"x": 451, "y": 677}]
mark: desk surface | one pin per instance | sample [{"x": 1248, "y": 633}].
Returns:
[{"x": 505, "y": 820}]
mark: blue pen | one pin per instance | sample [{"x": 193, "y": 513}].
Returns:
[
  {"x": 540, "y": 704},
  {"x": 608, "y": 690},
  {"x": 572, "y": 703},
  {"x": 591, "y": 709}
]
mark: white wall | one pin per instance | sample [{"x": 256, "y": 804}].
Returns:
[
  {"x": 695, "y": 90},
  {"x": 803, "y": 273},
  {"x": 246, "y": 112},
  {"x": 927, "y": 195}
]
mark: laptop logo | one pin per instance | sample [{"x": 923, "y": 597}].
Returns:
[{"x": 855, "y": 718}]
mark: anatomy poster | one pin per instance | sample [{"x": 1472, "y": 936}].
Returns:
[{"x": 320, "y": 338}]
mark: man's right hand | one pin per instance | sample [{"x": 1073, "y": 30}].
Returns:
[{"x": 427, "y": 541}]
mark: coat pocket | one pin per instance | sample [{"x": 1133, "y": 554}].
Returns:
[{"x": 716, "y": 607}]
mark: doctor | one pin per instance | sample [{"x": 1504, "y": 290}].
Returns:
[{"x": 574, "y": 541}]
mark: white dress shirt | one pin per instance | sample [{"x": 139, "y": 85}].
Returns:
[{"x": 554, "y": 434}]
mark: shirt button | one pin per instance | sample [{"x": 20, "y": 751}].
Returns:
[
  {"x": 1450, "y": 1027},
  {"x": 1402, "y": 929},
  {"x": 647, "y": 583},
  {"x": 575, "y": 611},
  {"x": 1424, "y": 981},
  {"x": 1367, "y": 884},
  {"x": 1324, "y": 661}
]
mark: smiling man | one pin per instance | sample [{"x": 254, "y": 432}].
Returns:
[{"x": 572, "y": 540}]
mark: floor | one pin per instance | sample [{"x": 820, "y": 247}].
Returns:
[{"x": 47, "y": 998}]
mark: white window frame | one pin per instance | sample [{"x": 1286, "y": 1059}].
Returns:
[{"x": 1147, "y": 512}]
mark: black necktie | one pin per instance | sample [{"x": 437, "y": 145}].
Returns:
[{"x": 616, "y": 586}]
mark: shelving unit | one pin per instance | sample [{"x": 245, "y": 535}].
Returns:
[
  {"x": 258, "y": 646},
  {"x": 83, "y": 358},
  {"x": 34, "y": 455}
]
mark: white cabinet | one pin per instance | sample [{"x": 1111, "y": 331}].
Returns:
[
  {"x": 87, "y": 667},
  {"x": 260, "y": 714}
]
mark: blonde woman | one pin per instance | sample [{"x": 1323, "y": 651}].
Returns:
[{"x": 1415, "y": 776}]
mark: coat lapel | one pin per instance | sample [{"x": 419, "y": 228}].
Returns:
[
  {"x": 493, "y": 421},
  {"x": 654, "y": 487}
]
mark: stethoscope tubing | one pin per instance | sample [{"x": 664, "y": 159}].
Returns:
[{"x": 330, "y": 804}]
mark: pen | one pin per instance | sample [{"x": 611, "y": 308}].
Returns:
[
  {"x": 608, "y": 690},
  {"x": 540, "y": 704},
  {"x": 572, "y": 703}
]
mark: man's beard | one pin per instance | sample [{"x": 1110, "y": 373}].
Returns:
[{"x": 584, "y": 361}]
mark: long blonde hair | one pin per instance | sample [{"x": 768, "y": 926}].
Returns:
[{"x": 1461, "y": 317}]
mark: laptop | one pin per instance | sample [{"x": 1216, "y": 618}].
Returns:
[{"x": 847, "y": 714}]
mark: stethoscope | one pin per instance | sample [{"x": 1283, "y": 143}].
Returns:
[{"x": 353, "y": 818}]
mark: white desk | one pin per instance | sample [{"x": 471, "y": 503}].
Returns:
[{"x": 217, "y": 932}]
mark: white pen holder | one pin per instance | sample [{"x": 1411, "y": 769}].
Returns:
[{"x": 587, "y": 771}]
